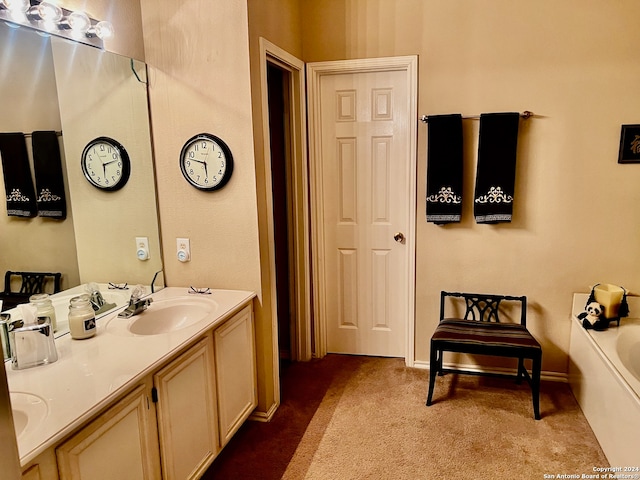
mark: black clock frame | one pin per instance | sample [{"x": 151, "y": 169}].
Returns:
[
  {"x": 227, "y": 153},
  {"x": 124, "y": 156}
]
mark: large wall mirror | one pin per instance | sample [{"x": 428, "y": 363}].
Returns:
[{"x": 48, "y": 83}]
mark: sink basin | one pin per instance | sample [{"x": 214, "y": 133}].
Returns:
[
  {"x": 28, "y": 412},
  {"x": 164, "y": 317}
]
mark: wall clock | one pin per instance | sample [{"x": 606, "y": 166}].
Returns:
[
  {"x": 206, "y": 162},
  {"x": 106, "y": 164}
]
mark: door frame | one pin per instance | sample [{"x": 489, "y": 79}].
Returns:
[
  {"x": 301, "y": 331},
  {"x": 315, "y": 72}
]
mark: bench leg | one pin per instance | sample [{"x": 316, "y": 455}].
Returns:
[
  {"x": 535, "y": 385},
  {"x": 433, "y": 370},
  {"x": 520, "y": 370}
]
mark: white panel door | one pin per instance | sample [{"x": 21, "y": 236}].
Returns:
[{"x": 366, "y": 203}]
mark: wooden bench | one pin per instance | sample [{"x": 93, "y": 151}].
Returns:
[{"x": 479, "y": 331}]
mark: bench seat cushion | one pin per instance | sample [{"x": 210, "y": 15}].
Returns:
[{"x": 489, "y": 334}]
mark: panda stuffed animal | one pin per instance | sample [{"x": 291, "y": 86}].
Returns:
[{"x": 593, "y": 318}]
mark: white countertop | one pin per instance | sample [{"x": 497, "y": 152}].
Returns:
[
  {"x": 90, "y": 374},
  {"x": 61, "y": 300}
]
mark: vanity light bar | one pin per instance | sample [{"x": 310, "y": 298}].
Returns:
[{"x": 47, "y": 18}]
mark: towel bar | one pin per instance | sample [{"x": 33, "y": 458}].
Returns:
[{"x": 525, "y": 115}]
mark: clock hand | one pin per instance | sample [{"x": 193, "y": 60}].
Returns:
[
  {"x": 206, "y": 175},
  {"x": 104, "y": 168},
  {"x": 203, "y": 163}
]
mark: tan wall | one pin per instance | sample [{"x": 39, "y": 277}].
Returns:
[
  {"x": 199, "y": 82},
  {"x": 575, "y": 65},
  {"x": 279, "y": 22}
]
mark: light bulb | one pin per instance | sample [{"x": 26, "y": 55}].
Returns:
[
  {"x": 47, "y": 12},
  {"x": 16, "y": 6},
  {"x": 101, "y": 30},
  {"x": 104, "y": 30},
  {"x": 78, "y": 22},
  {"x": 17, "y": 9}
]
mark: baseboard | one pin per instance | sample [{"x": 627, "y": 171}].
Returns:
[
  {"x": 544, "y": 375},
  {"x": 258, "y": 416}
]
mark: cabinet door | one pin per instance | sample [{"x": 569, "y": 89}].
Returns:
[
  {"x": 121, "y": 443},
  {"x": 235, "y": 372},
  {"x": 43, "y": 467},
  {"x": 186, "y": 412}
]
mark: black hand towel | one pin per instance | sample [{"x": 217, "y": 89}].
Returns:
[
  {"x": 496, "y": 172},
  {"x": 47, "y": 166},
  {"x": 444, "y": 168},
  {"x": 21, "y": 197}
]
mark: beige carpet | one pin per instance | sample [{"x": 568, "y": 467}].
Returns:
[{"x": 373, "y": 424}]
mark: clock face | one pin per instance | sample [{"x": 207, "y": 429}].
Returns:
[
  {"x": 105, "y": 164},
  {"x": 206, "y": 162}
]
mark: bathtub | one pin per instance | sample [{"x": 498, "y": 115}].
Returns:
[{"x": 604, "y": 375}]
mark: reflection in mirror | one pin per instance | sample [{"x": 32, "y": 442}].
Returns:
[{"x": 47, "y": 83}]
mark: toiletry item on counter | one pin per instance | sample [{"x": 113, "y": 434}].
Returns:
[
  {"x": 31, "y": 342},
  {"x": 82, "y": 318},
  {"x": 613, "y": 298},
  {"x": 44, "y": 307}
]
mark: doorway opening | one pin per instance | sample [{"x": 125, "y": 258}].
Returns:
[
  {"x": 278, "y": 81},
  {"x": 286, "y": 182}
]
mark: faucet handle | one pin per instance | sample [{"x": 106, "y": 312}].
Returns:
[{"x": 137, "y": 293}]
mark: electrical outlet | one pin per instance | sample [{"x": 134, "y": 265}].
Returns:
[
  {"x": 183, "y": 249},
  {"x": 142, "y": 248}
]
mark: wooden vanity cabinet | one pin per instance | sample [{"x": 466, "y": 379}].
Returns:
[
  {"x": 174, "y": 423},
  {"x": 205, "y": 395},
  {"x": 121, "y": 443},
  {"x": 236, "y": 372},
  {"x": 43, "y": 467},
  {"x": 187, "y": 417}
]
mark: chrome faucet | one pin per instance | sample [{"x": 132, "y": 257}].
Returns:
[
  {"x": 137, "y": 305},
  {"x": 97, "y": 300}
]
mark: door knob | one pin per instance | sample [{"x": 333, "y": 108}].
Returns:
[{"x": 399, "y": 237}]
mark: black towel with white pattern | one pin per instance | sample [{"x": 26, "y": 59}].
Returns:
[
  {"x": 496, "y": 170},
  {"x": 444, "y": 168},
  {"x": 20, "y": 194}
]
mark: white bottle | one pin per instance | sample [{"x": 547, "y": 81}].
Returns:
[
  {"x": 82, "y": 318},
  {"x": 44, "y": 308}
]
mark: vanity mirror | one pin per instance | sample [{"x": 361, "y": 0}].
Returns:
[{"x": 48, "y": 83}]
